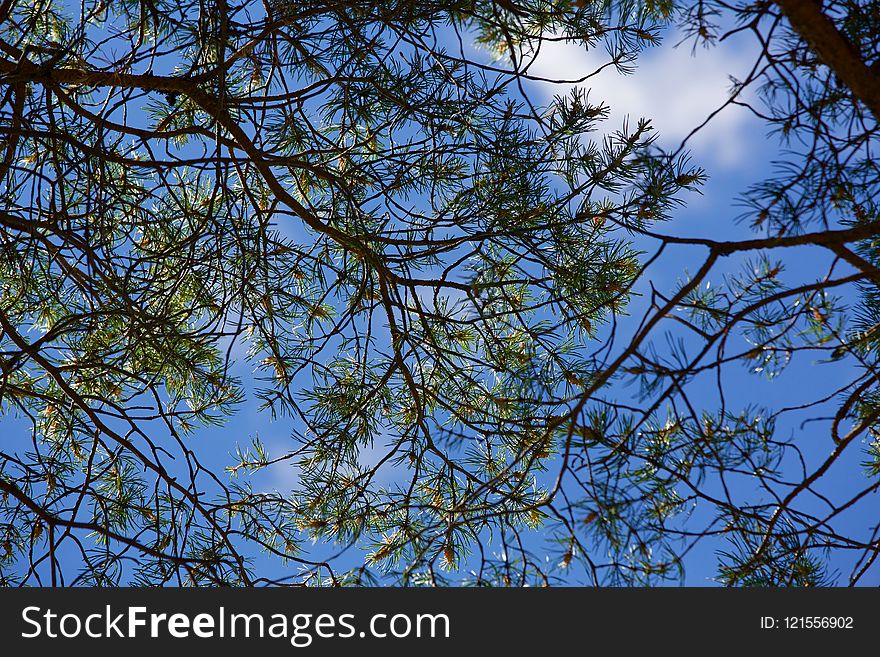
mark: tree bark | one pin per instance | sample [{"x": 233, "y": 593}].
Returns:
[{"x": 834, "y": 49}]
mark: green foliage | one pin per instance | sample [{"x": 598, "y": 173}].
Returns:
[{"x": 425, "y": 272}]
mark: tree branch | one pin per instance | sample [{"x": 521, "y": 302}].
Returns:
[{"x": 834, "y": 49}]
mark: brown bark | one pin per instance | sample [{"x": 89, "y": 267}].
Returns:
[{"x": 834, "y": 49}]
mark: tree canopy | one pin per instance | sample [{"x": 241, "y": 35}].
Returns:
[{"x": 428, "y": 276}]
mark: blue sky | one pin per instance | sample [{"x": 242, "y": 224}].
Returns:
[{"x": 678, "y": 89}]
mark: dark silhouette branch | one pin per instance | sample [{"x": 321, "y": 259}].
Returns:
[{"x": 834, "y": 49}]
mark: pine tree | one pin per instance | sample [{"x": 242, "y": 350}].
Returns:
[{"x": 362, "y": 202}]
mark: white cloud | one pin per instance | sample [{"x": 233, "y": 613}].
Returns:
[{"x": 674, "y": 87}]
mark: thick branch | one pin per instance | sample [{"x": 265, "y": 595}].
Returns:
[{"x": 834, "y": 49}]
